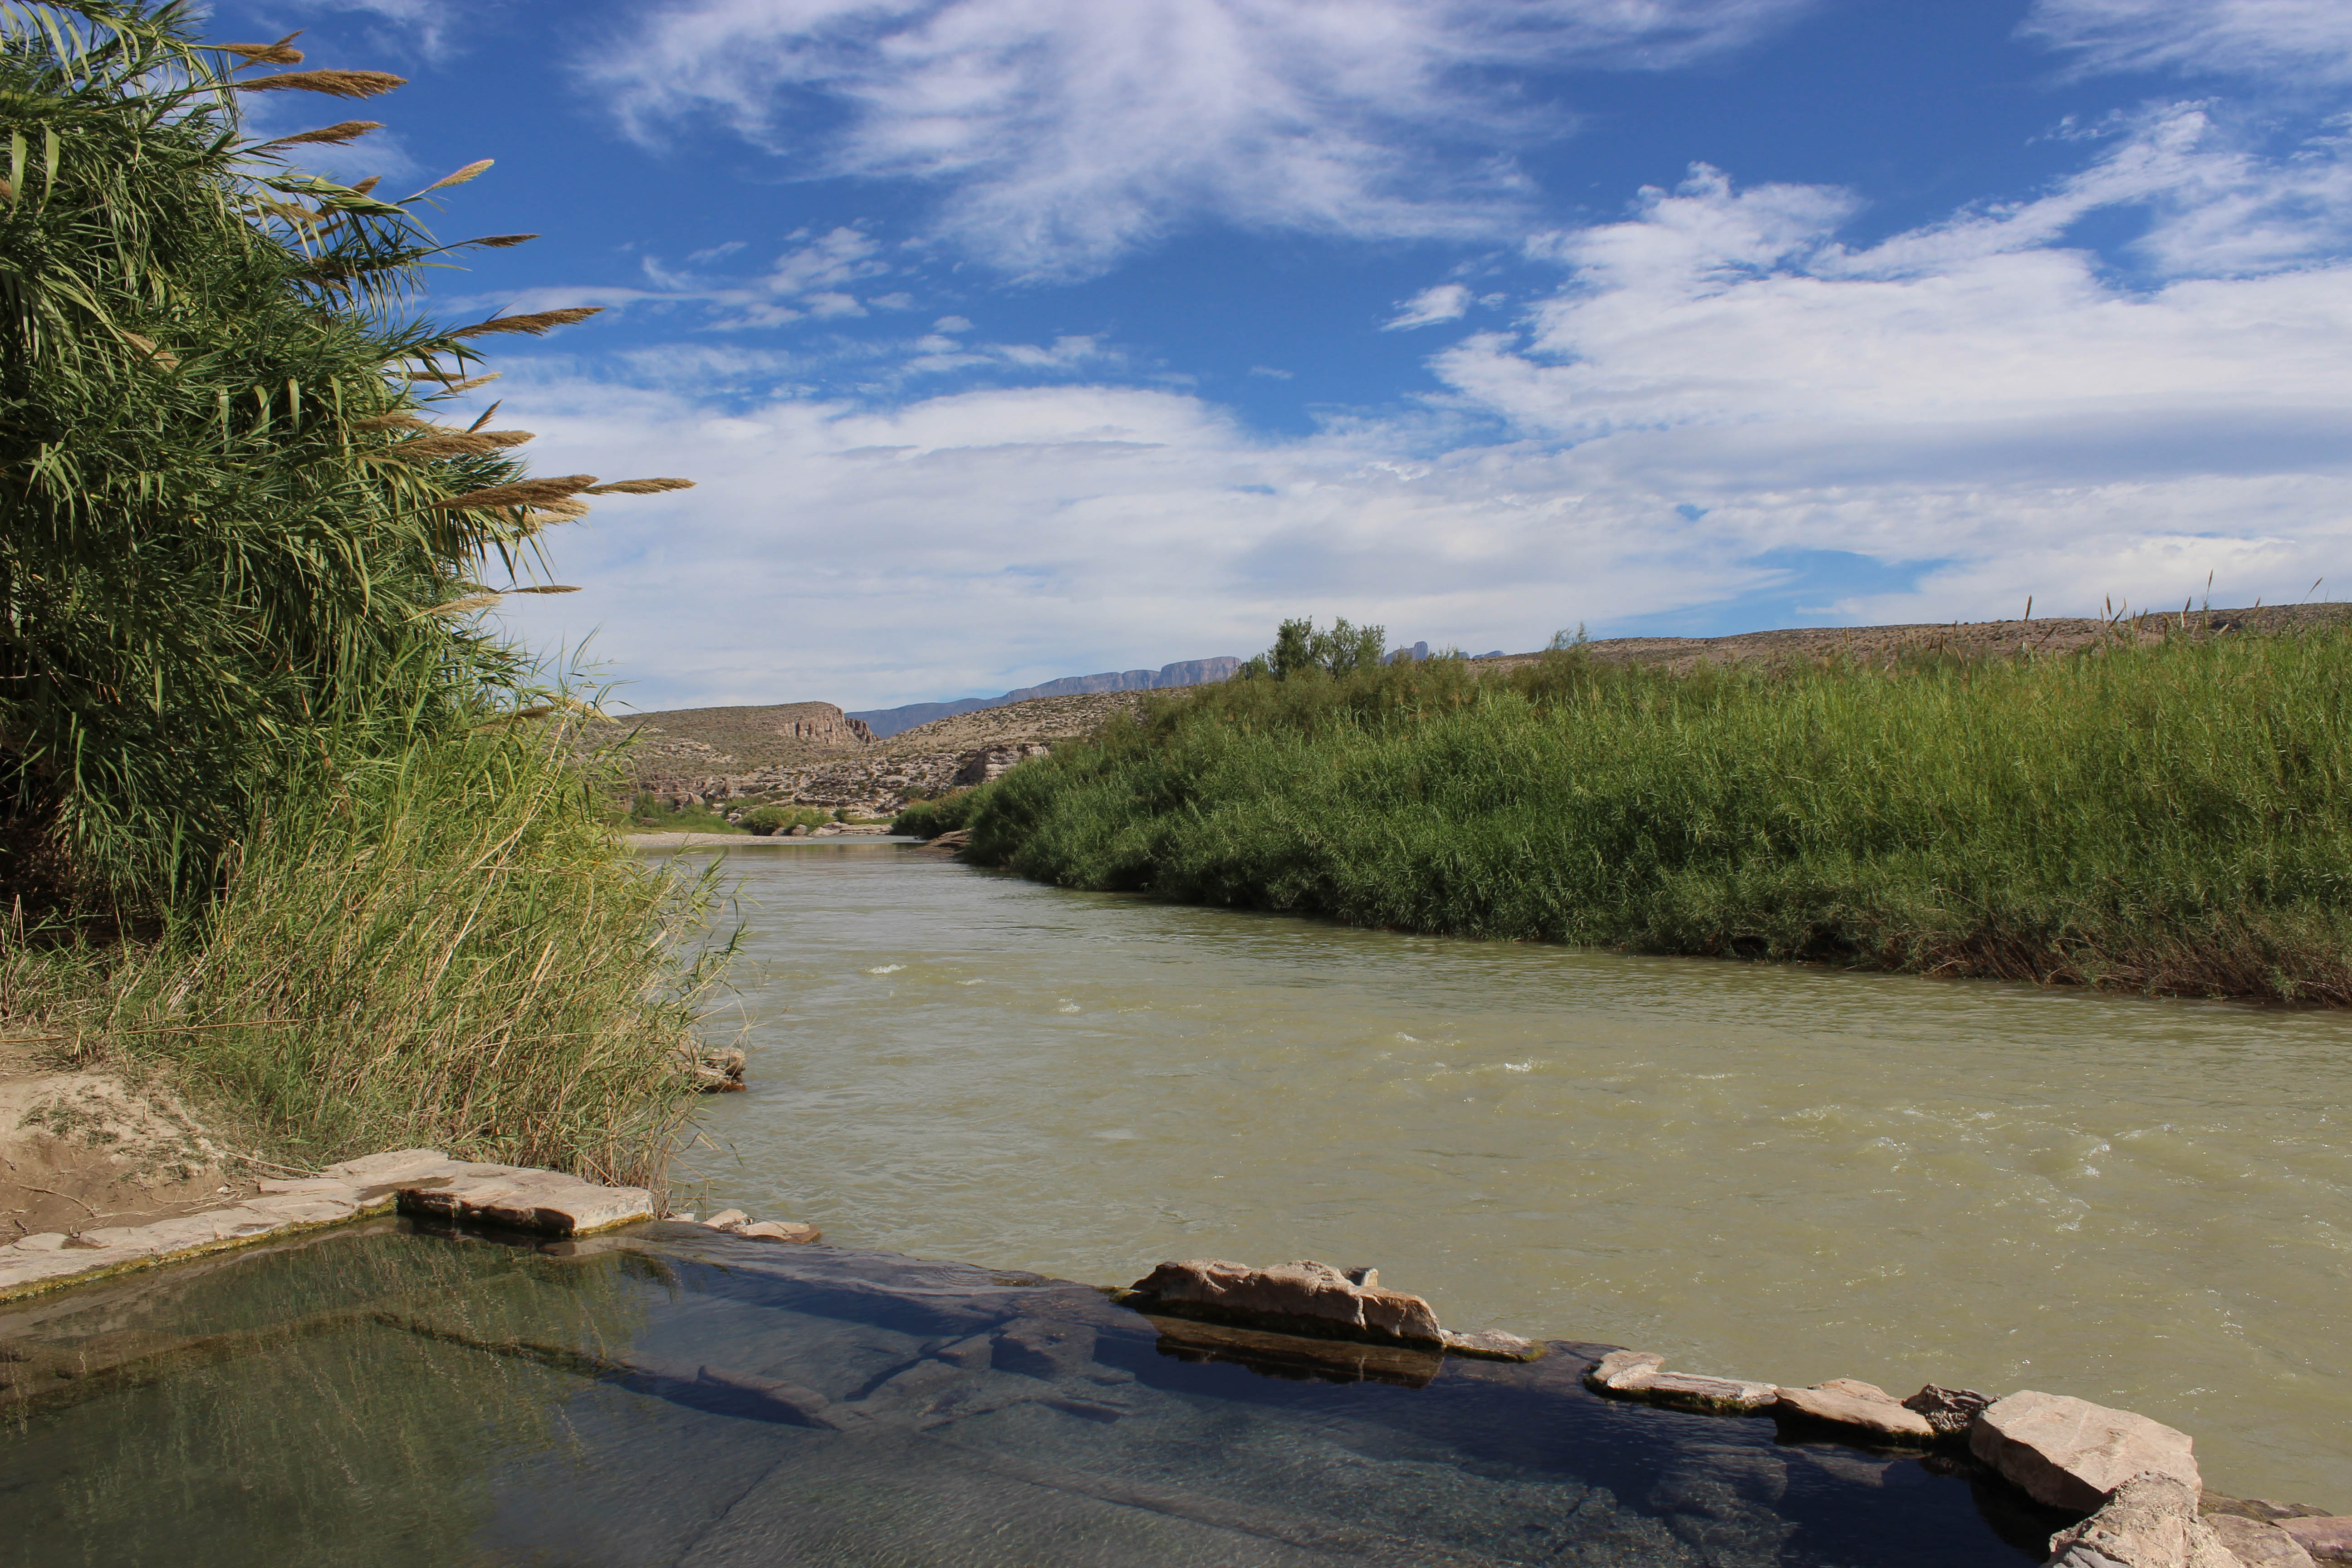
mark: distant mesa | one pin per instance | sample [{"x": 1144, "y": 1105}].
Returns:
[
  {"x": 886, "y": 722},
  {"x": 819, "y": 723}
]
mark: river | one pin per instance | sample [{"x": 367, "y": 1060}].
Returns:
[{"x": 1787, "y": 1174}]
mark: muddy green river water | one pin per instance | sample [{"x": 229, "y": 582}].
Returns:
[{"x": 1783, "y": 1173}]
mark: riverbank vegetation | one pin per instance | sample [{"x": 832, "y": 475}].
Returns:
[
  {"x": 2174, "y": 818},
  {"x": 281, "y": 816}
]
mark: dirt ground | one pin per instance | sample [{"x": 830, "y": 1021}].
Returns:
[{"x": 82, "y": 1149}]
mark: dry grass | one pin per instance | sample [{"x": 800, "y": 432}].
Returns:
[{"x": 449, "y": 950}]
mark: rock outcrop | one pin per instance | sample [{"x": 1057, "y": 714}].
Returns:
[
  {"x": 2069, "y": 1453},
  {"x": 991, "y": 762}
]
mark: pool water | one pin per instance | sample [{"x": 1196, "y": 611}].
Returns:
[{"x": 394, "y": 1394}]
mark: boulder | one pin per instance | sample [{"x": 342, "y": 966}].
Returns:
[
  {"x": 1304, "y": 1294},
  {"x": 2258, "y": 1543},
  {"x": 1861, "y": 1407},
  {"x": 780, "y": 1230},
  {"x": 2149, "y": 1521},
  {"x": 2326, "y": 1537},
  {"x": 727, "y": 1219},
  {"x": 2069, "y": 1453}
]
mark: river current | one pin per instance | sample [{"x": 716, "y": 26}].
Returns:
[{"x": 1787, "y": 1174}]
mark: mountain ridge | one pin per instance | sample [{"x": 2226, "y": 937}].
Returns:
[{"x": 886, "y": 722}]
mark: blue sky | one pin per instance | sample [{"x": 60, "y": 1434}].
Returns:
[{"x": 1010, "y": 338}]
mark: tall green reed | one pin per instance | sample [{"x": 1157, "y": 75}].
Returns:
[
  {"x": 2170, "y": 819},
  {"x": 446, "y": 947}
]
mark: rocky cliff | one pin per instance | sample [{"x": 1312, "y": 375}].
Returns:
[{"x": 874, "y": 777}]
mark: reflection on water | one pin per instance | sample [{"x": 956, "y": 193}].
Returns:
[
  {"x": 1784, "y": 1173},
  {"x": 679, "y": 1398}
]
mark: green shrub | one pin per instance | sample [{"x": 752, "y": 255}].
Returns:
[
  {"x": 2172, "y": 819},
  {"x": 773, "y": 819},
  {"x": 944, "y": 813}
]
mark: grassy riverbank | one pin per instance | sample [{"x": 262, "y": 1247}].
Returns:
[
  {"x": 448, "y": 948},
  {"x": 2174, "y": 818}
]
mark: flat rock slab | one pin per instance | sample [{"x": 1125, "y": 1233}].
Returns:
[
  {"x": 421, "y": 1181},
  {"x": 2073, "y": 1454},
  {"x": 39, "y": 1263},
  {"x": 1306, "y": 1296},
  {"x": 1620, "y": 1370},
  {"x": 1492, "y": 1345},
  {"x": 1859, "y": 1407}
]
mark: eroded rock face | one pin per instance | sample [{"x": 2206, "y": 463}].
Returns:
[
  {"x": 1313, "y": 1291},
  {"x": 2150, "y": 1521},
  {"x": 2070, "y": 1453}
]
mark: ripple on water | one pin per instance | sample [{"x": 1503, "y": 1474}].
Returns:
[{"x": 1784, "y": 1173}]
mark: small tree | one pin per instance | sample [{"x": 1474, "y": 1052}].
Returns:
[{"x": 1300, "y": 649}]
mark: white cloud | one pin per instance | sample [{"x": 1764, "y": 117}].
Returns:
[
  {"x": 2306, "y": 41},
  {"x": 1714, "y": 305},
  {"x": 1070, "y": 131},
  {"x": 1445, "y": 302},
  {"x": 1721, "y": 386}
]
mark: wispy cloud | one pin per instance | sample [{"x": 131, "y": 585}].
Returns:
[
  {"x": 1065, "y": 132},
  {"x": 426, "y": 27},
  {"x": 2294, "y": 41},
  {"x": 1445, "y": 302}
]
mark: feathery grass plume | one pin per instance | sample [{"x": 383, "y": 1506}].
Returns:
[
  {"x": 517, "y": 492},
  {"x": 334, "y": 83},
  {"x": 277, "y": 54},
  {"x": 465, "y": 606},
  {"x": 546, "y": 588},
  {"x": 452, "y": 444},
  {"x": 458, "y": 177},
  {"x": 536, "y": 323},
  {"x": 496, "y": 241},
  {"x": 336, "y": 135},
  {"x": 638, "y": 487}
]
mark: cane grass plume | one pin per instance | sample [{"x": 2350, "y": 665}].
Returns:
[
  {"x": 249, "y": 709},
  {"x": 2172, "y": 818}
]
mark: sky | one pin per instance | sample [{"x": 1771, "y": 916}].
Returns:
[{"x": 1014, "y": 339}]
